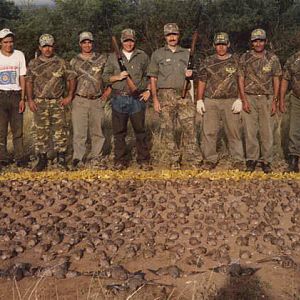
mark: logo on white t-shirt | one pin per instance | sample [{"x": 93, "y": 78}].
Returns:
[{"x": 8, "y": 77}]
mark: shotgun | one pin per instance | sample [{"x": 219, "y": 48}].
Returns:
[
  {"x": 190, "y": 65},
  {"x": 131, "y": 86}
]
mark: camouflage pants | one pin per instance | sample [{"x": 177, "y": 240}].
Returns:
[
  {"x": 259, "y": 122},
  {"x": 177, "y": 113},
  {"x": 294, "y": 133},
  {"x": 218, "y": 110},
  {"x": 49, "y": 123}
]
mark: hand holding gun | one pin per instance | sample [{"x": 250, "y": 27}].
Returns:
[
  {"x": 190, "y": 65},
  {"x": 124, "y": 73}
]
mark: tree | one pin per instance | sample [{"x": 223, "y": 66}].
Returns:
[
  {"x": 65, "y": 20},
  {"x": 8, "y": 12}
]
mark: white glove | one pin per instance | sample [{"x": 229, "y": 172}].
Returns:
[
  {"x": 237, "y": 106},
  {"x": 200, "y": 107}
]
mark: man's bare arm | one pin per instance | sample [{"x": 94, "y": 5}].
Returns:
[
  {"x": 153, "y": 85},
  {"x": 23, "y": 91},
  {"x": 71, "y": 90},
  {"x": 283, "y": 89},
  {"x": 29, "y": 93},
  {"x": 241, "y": 84},
  {"x": 201, "y": 90},
  {"x": 276, "y": 87}
]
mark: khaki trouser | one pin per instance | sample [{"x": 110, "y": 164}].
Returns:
[
  {"x": 49, "y": 123},
  {"x": 259, "y": 121},
  {"x": 218, "y": 110},
  {"x": 87, "y": 116},
  {"x": 178, "y": 113},
  {"x": 294, "y": 133}
]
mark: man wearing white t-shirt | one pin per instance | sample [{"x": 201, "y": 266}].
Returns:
[{"x": 12, "y": 93}]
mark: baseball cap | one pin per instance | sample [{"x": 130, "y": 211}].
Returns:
[
  {"x": 5, "y": 32},
  {"x": 258, "y": 34},
  {"x": 86, "y": 35},
  {"x": 221, "y": 38},
  {"x": 171, "y": 28},
  {"x": 46, "y": 40},
  {"x": 128, "y": 34}
]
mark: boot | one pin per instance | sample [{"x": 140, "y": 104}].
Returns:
[
  {"x": 23, "y": 162},
  {"x": 61, "y": 160},
  {"x": 250, "y": 165},
  {"x": 266, "y": 167},
  {"x": 42, "y": 163},
  {"x": 293, "y": 164}
]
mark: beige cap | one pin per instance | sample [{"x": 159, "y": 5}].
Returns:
[
  {"x": 128, "y": 34},
  {"x": 5, "y": 32},
  {"x": 258, "y": 34},
  {"x": 46, "y": 40},
  {"x": 86, "y": 35},
  {"x": 171, "y": 28}
]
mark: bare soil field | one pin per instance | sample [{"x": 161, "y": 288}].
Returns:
[{"x": 156, "y": 235}]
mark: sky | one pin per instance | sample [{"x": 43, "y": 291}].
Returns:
[{"x": 38, "y": 2}]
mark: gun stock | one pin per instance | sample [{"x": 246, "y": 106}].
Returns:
[
  {"x": 131, "y": 86},
  {"x": 190, "y": 65}
]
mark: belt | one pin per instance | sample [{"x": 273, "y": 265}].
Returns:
[
  {"x": 89, "y": 97},
  {"x": 11, "y": 92},
  {"x": 259, "y": 95},
  {"x": 173, "y": 89},
  {"x": 121, "y": 93},
  {"x": 43, "y": 98},
  {"x": 298, "y": 97}
]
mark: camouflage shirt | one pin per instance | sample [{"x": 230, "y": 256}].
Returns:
[
  {"x": 259, "y": 72},
  {"x": 291, "y": 72},
  {"x": 220, "y": 77},
  {"x": 49, "y": 76},
  {"x": 136, "y": 67},
  {"x": 169, "y": 67},
  {"x": 89, "y": 74}
]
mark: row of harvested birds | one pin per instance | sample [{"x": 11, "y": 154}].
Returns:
[{"x": 196, "y": 225}]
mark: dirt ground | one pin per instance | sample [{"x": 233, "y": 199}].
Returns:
[{"x": 116, "y": 237}]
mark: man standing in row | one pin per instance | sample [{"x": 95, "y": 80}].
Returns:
[
  {"x": 130, "y": 92},
  {"x": 46, "y": 80},
  {"x": 291, "y": 74},
  {"x": 218, "y": 82},
  {"x": 259, "y": 82},
  {"x": 87, "y": 106},
  {"x": 167, "y": 72},
  {"x": 12, "y": 98}
]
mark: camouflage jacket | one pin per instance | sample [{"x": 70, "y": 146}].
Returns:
[
  {"x": 136, "y": 67},
  {"x": 169, "y": 67},
  {"x": 291, "y": 72},
  {"x": 49, "y": 76},
  {"x": 89, "y": 74},
  {"x": 220, "y": 77},
  {"x": 259, "y": 72}
]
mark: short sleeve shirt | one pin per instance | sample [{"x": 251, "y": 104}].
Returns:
[
  {"x": 11, "y": 68},
  {"x": 220, "y": 77},
  {"x": 49, "y": 76},
  {"x": 169, "y": 67},
  {"x": 136, "y": 66},
  {"x": 291, "y": 72},
  {"x": 259, "y": 72},
  {"x": 89, "y": 74}
]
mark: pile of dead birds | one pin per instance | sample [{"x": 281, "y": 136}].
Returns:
[{"x": 193, "y": 224}]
